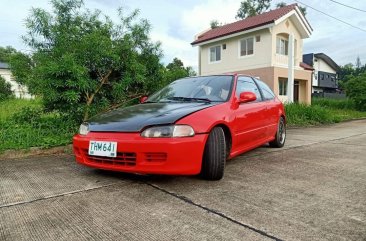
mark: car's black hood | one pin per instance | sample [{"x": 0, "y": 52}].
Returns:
[{"x": 135, "y": 118}]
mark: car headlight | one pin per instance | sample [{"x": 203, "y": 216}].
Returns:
[
  {"x": 168, "y": 131},
  {"x": 84, "y": 129}
]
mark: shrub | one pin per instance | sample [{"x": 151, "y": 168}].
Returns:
[
  {"x": 356, "y": 90},
  {"x": 27, "y": 115},
  {"x": 301, "y": 114},
  {"x": 342, "y": 104},
  {"x": 5, "y": 89}
]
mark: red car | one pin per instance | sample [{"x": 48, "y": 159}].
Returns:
[{"x": 192, "y": 126}]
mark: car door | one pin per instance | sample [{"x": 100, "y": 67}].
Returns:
[
  {"x": 272, "y": 111},
  {"x": 250, "y": 120}
]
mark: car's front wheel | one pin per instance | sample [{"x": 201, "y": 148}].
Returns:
[
  {"x": 214, "y": 156},
  {"x": 280, "y": 137}
]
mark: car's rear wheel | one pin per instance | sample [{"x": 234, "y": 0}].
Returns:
[
  {"x": 280, "y": 137},
  {"x": 214, "y": 156}
]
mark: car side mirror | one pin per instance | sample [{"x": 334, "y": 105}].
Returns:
[
  {"x": 247, "y": 97},
  {"x": 142, "y": 99}
]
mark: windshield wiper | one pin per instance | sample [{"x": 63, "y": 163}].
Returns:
[{"x": 181, "y": 98}]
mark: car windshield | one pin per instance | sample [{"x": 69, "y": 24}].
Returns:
[{"x": 205, "y": 89}]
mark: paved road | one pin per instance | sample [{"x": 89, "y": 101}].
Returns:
[{"x": 313, "y": 189}]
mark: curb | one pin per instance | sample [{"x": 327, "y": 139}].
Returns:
[{"x": 35, "y": 151}]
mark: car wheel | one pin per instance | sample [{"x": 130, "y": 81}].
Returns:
[
  {"x": 214, "y": 156},
  {"x": 280, "y": 137}
]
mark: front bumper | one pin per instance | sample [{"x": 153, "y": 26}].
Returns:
[{"x": 136, "y": 154}]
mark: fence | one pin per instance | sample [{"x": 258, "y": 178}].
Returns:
[{"x": 329, "y": 95}]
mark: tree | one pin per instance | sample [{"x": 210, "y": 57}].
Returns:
[
  {"x": 249, "y": 8},
  {"x": 176, "y": 70},
  {"x": 356, "y": 90},
  {"x": 358, "y": 62},
  {"x": 283, "y": 4},
  {"x": 21, "y": 67},
  {"x": 5, "y": 89},
  {"x": 6, "y": 52},
  {"x": 215, "y": 24},
  {"x": 84, "y": 63}
]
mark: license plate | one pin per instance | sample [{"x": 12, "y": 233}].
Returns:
[{"x": 103, "y": 148}]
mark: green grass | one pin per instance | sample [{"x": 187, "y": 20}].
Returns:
[
  {"x": 12, "y": 106},
  {"x": 23, "y": 124},
  {"x": 322, "y": 111}
]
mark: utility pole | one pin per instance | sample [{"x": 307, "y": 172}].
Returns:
[{"x": 291, "y": 60}]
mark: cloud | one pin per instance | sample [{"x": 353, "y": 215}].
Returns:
[{"x": 175, "y": 23}]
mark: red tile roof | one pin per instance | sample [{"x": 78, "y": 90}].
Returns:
[
  {"x": 306, "y": 66},
  {"x": 245, "y": 24}
]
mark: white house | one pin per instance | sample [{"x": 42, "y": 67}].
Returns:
[
  {"x": 325, "y": 78},
  {"x": 19, "y": 90}
]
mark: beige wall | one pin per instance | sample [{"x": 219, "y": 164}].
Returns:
[
  {"x": 265, "y": 63},
  {"x": 286, "y": 27},
  {"x": 270, "y": 76},
  {"x": 264, "y": 51},
  {"x": 230, "y": 59}
]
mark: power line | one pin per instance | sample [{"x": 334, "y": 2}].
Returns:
[
  {"x": 340, "y": 20},
  {"x": 348, "y": 6}
]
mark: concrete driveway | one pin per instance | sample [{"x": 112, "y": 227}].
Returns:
[{"x": 313, "y": 189}]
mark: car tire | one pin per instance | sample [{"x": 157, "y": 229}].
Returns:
[
  {"x": 280, "y": 137},
  {"x": 214, "y": 155}
]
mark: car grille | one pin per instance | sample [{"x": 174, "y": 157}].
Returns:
[
  {"x": 156, "y": 156},
  {"x": 122, "y": 159}
]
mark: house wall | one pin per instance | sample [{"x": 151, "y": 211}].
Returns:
[
  {"x": 19, "y": 90},
  {"x": 265, "y": 63},
  {"x": 271, "y": 76},
  {"x": 330, "y": 76},
  {"x": 303, "y": 76},
  {"x": 321, "y": 65},
  {"x": 286, "y": 27},
  {"x": 230, "y": 57}
]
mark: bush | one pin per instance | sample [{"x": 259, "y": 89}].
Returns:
[
  {"x": 342, "y": 104},
  {"x": 32, "y": 127},
  {"x": 356, "y": 90},
  {"x": 301, "y": 114},
  {"x": 5, "y": 89},
  {"x": 27, "y": 115}
]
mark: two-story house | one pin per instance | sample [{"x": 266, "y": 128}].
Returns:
[
  {"x": 325, "y": 78},
  {"x": 19, "y": 90},
  {"x": 268, "y": 46}
]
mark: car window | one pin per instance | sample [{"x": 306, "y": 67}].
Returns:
[
  {"x": 213, "y": 88},
  {"x": 266, "y": 91},
  {"x": 247, "y": 84}
]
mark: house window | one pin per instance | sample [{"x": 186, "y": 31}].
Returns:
[
  {"x": 215, "y": 53},
  {"x": 282, "y": 46},
  {"x": 247, "y": 46},
  {"x": 282, "y": 83}
]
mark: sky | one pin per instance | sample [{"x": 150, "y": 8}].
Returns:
[{"x": 175, "y": 23}]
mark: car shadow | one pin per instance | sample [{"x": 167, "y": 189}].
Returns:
[
  {"x": 136, "y": 177},
  {"x": 155, "y": 178}
]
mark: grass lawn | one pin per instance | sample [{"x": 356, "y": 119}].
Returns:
[
  {"x": 23, "y": 124},
  {"x": 12, "y": 106},
  {"x": 322, "y": 111}
]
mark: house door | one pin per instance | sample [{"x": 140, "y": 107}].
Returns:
[{"x": 296, "y": 91}]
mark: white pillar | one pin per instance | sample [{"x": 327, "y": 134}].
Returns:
[
  {"x": 199, "y": 60},
  {"x": 291, "y": 60}
]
